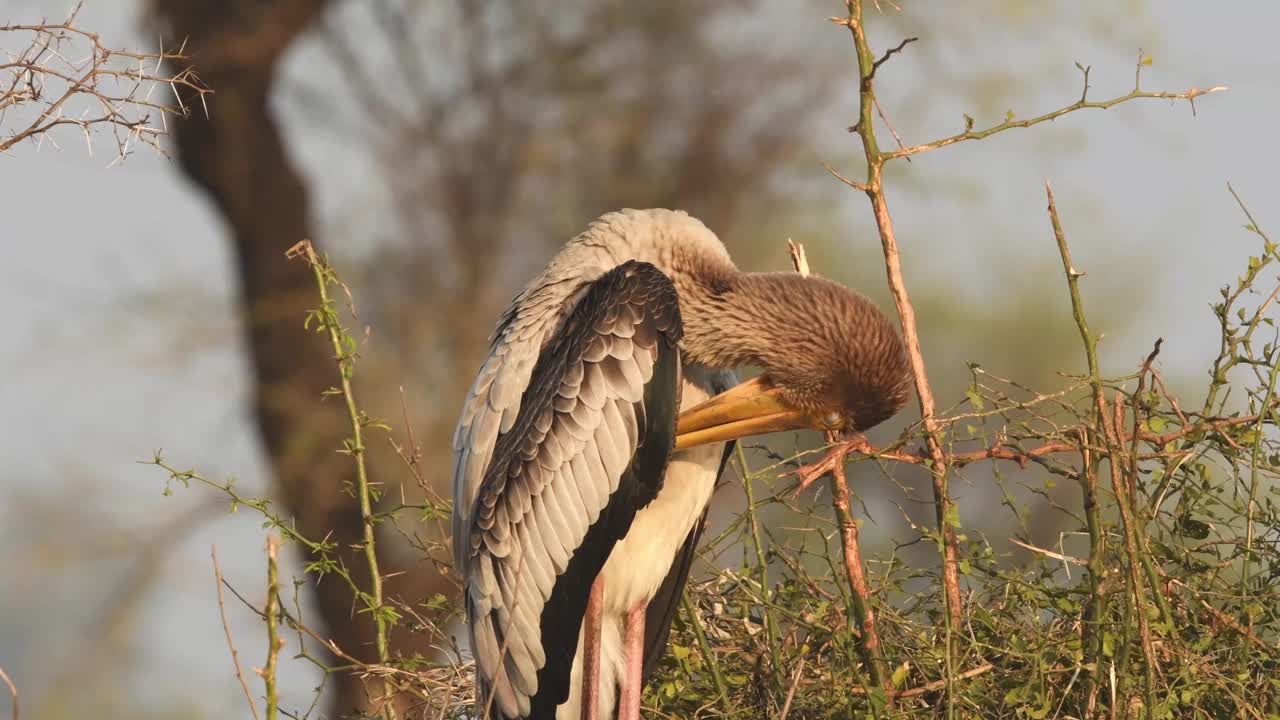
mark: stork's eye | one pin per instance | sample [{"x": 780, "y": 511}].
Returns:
[{"x": 833, "y": 420}]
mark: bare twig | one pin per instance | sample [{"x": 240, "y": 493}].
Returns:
[
  {"x": 791, "y": 691},
  {"x": 1124, "y": 502},
  {"x": 1083, "y": 103},
  {"x": 226, "y": 629},
  {"x": 936, "y": 685},
  {"x": 274, "y": 641},
  {"x": 1089, "y": 478},
  {"x": 892, "y": 130},
  {"x": 13, "y": 694},
  {"x": 1049, "y": 553},
  {"x": 868, "y": 638},
  {"x": 798, "y": 259},
  {"x": 874, "y": 189},
  {"x": 888, "y": 54},
  {"x": 108, "y": 88}
]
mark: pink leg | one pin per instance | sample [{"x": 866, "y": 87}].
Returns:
[
  {"x": 591, "y": 649},
  {"x": 633, "y": 652}
]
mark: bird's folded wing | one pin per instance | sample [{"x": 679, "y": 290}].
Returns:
[{"x": 587, "y": 448}]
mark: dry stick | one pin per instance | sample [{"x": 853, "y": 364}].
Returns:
[
  {"x": 1097, "y": 531},
  {"x": 1124, "y": 502},
  {"x": 874, "y": 189},
  {"x": 708, "y": 656},
  {"x": 274, "y": 641},
  {"x": 946, "y": 514},
  {"x": 936, "y": 685},
  {"x": 868, "y": 638},
  {"x": 1113, "y": 437},
  {"x": 352, "y": 662},
  {"x": 1095, "y": 610},
  {"x": 226, "y": 629},
  {"x": 13, "y": 693},
  {"x": 1140, "y": 522},
  {"x": 125, "y": 108},
  {"x": 791, "y": 691},
  {"x": 999, "y": 451},
  {"x": 346, "y": 367},
  {"x": 1254, "y": 478},
  {"x": 1082, "y": 104}
]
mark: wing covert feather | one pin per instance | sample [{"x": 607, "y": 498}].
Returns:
[{"x": 585, "y": 450}]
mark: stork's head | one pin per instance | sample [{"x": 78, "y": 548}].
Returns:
[{"x": 832, "y": 360}]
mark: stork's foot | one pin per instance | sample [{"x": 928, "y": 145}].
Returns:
[{"x": 832, "y": 459}]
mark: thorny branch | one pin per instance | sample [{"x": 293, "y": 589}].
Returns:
[
  {"x": 226, "y": 629},
  {"x": 874, "y": 189},
  {"x": 274, "y": 641},
  {"x": 326, "y": 321},
  {"x": 1083, "y": 103},
  {"x": 66, "y": 76},
  {"x": 933, "y": 455}
]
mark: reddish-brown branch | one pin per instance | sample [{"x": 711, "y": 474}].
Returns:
[
  {"x": 868, "y": 638},
  {"x": 874, "y": 189},
  {"x": 226, "y": 629},
  {"x": 838, "y": 453}
]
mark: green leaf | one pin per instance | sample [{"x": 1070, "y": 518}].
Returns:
[
  {"x": 900, "y": 675},
  {"x": 975, "y": 399},
  {"x": 952, "y": 517},
  {"x": 878, "y": 700}
]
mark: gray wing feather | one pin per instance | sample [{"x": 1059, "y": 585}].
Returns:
[
  {"x": 515, "y": 531},
  {"x": 493, "y": 402}
]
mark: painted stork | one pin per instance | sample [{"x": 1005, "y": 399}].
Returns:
[{"x": 578, "y": 499}]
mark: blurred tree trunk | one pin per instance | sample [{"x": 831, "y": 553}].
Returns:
[{"x": 237, "y": 155}]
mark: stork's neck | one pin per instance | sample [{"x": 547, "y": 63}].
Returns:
[{"x": 727, "y": 314}]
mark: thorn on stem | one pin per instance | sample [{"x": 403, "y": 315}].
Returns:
[{"x": 887, "y": 54}]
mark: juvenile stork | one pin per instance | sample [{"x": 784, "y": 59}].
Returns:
[{"x": 578, "y": 498}]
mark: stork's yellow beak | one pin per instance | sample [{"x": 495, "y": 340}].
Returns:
[{"x": 754, "y": 407}]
